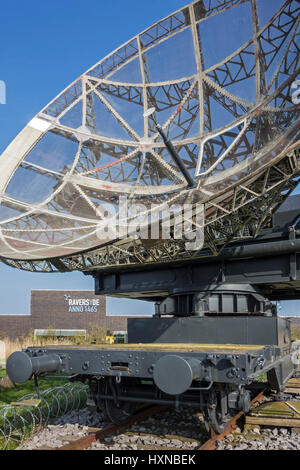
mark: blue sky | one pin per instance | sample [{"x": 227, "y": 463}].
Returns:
[{"x": 44, "y": 47}]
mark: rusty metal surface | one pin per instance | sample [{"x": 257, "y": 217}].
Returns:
[
  {"x": 212, "y": 442},
  {"x": 86, "y": 441}
]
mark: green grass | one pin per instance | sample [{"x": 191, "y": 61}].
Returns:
[
  {"x": 20, "y": 390},
  {"x": 262, "y": 378},
  {"x": 21, "y": 419}
]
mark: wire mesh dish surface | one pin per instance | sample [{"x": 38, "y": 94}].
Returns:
[{"x": 221, "y": 77}]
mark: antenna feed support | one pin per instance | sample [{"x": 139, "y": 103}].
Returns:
[{"x": 170, "y": 147}]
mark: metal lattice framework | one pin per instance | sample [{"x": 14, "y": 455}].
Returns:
[{"x": 219, "y": 75}]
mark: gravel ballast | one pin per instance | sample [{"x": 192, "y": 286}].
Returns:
[
  {"x": 154, "y": 433},
  {"x": 265, "y": 439},
  {"x": 182, "y": 430}
]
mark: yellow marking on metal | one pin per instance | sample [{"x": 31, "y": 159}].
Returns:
[{"x": 235, "y": 348}]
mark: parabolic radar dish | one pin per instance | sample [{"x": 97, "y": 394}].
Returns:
[{"x": 222, "y": 79}]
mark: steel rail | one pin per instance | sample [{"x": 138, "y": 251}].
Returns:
[
  {"x": 211, "y": 444},
  {"x": 85, "y": 442}
]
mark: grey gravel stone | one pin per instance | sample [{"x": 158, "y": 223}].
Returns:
[
  {"x": 153, "y": 431},
  {"x": 76, "y": 424}
]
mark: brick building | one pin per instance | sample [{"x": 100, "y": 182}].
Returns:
[{"x": 62, "y": 310}]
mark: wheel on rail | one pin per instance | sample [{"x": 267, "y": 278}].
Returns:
[
  {"x": 213, "y": 420},
  {"x": 216, "y": 414},
  {"x": 118, "y": 412}
]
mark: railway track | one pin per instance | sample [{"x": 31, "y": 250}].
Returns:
[
  {"x": 150, "y": 429},
  {"x": 87, "y": 441},
  {"x": 162, "y": 429},
  {"x": 210, "y": 444}
]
